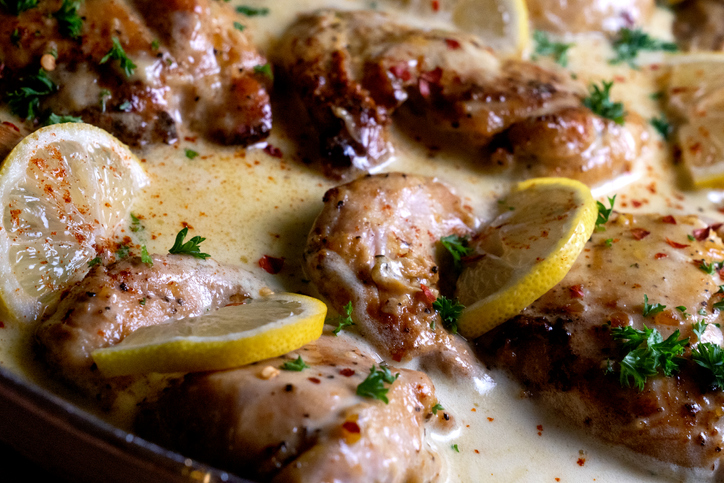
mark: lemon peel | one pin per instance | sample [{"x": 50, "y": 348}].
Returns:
[{"x": 525, "y": 251}]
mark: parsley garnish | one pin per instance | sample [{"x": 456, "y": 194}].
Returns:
[
  {"x": 251, "y": 11},
  {"x": 449, "y": 310},
  {"x": 710, "y": 268},
  {"x": 718, "y": 305},
  {"x": 145, "y": 257},
  {"x": 437, "y": 407},
  {"x": 136, "y": 224},
  {"x": 94, "y": 262},
  {"x": 604, "y": 213},
  {"x": 698, "y": 328},
  {"x": 16, "y": 7},
  {"x": 155, "y": 44},
  {"x": 56, "y": 119},
  {"x": 662, "y": 125},
  {"x": 239, "y": 27},
  {"x": 123, "y": 251},
  {"x": 455, "y": 448},
  {"x": 117, "y": 53},
  {"x": 600, "y": 103},
  {"x": 457, "y": 246},
  {"x": 142, "y": 301},
  {"x": 608, "y": 242},
  {"x": 629, "y": 43},
  {"x": 25, "y": 102},
  {"x": 69, "y": 22},
  {"x": 682, "y": 309},
  {"x": 264, "y": 70},
  {"x": 721, "y": 289},
  {"x": 651, "y": 309},
  {"x": 374, "y": 385},
  {"x": 344, "y": 320},
  {"x": 544, "y": 46},
  {"x": 297, "y": 365},
  {"x": 647, "y": 353},
  {"x": 710, "y": 356},
  {"x": 190, "y": 153},
  {"x": 191, "y": 247}
]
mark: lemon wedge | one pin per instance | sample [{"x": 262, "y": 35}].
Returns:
[
  {"x": 500, "y": 24},
  {"x": 525, "y": 251},
  {"x": 229, "y": 337},
  {"x": 64, "y": 190},
  {"x": 696, "y": 98}
]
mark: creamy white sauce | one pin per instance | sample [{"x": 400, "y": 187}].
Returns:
[{"x": 249, "y": 204}]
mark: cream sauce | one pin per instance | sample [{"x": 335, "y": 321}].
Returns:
[{"x": 249, "y": 204}]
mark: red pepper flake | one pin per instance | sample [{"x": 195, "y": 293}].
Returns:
[
  {"x": 636, "y": 203},
  {"x": 433, "y": 76},
  {"x": 401, "y": 72},
  {"x": 273, "y": 151},
  {"x": 669, "y": 219},
  {"x": 474, "y": 410},
  {"x": 660, "y": 255},
  {"x": 351, "y": 427},
  {"x": 558, "y": 479},
  {"x": 2, "y": 324},
  {"x": 452, "y": 44},
  {"x": 491, "y": 419},
  {"x": 271, "y": 264},
  {"x": 11, "y": 126},
  {"x": 639, "y": 233},
  {"x": 314, "y": 380},
  {"x": 701, "y": 233},
  {"x": 581, "y": 461},
  {"x": 540, "y": 429},
  {"x": 435, "y": 4},
  {"x": 476, "y": 451},
  {"x": 429, "y": 296},
  {"x": 347, "y": 372},
  {"x": 576, "y": 291},
  {"x": 715, "y": 226},
  {"x": 674, "y": 244}
]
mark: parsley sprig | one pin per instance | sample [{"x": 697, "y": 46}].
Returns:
[
  {"x": 710, "y": 356},
  {"x": 297, "y": 365},
  {"x": 604, "y": 213},
  {"x": 251, "y": 11},
  {"x": 191, "y": 247},
  {"x": 69, "y": 22},
  {"x": 449, "y": 310},
  {"x": 117, "y": 53},
  {"x": 16, "y": 7},
  {"x": 25, "y": 102},
  {"x": 145, "y": 257},
  {"x": 546, "y": 47},
  {"x": 599, "y": 101},
  {"x": 628, "y": 43},
  {"x": 374, "y": 385},
  {"x": 651, "y": 309},
  {"x": 662, "y": 126},
  {"x": 344, "y": 319},
  {"x": 53, "y": 118},
  {"x": 458, "y": 248},
  {"x": 710, "y": 268}
]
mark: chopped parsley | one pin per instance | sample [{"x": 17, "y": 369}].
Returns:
[
  {"x": 604, "y": 213},
  {"x": 142, "y": 301},
  {"x": 698, "y": 328},
  {"x": 136, "y": 224},
  {"x": 437, "y": 407},
  {"x": 710, "y": 268},
  {"x": 191, "y": 247},
  {"x": 721, "y": 289},
  {"x": 239, "y": 27},
  {"x": 123, "y": 251},
  {"x": 155, "y": 44},
  {"x": 710, "y": 356},
  {"x": 652, "y": 309},
  {"x": 682, "y": 309},
  {"x": 449, "y": 310},
  {"x": 190, "y": 153},
  {"x": 69, "y": 22},
  {"x": 458, "y": 248},
  {"x": 662, "y": 125},
  {"x": 690, "y": 237},
  {"x": 608, "y": 242},
  {"x": 345, "y": 319},
  {"x": 56, "y": 119},
  {"x": 648, "y": 353},
  {"x": 251, "y": 11},
  {"x": 25, "y": 102},
  {"x": 264, "y": 70},
  {"x": 455, "y": 448},
  {"x": 117, "y": 53},
  {"x": 718, "y": 305},
  {"x": 16, "y": 7},
  {"x": 628, "y": 43},
  {"x": 599, "y": 101},
  {"x": 145, "y": 257},
  {"x": 374, "y": 386},
  {"x": 545, "y": 47},
  {"x": 297, "y": 365},
  {"x": 94, "y": 262}
]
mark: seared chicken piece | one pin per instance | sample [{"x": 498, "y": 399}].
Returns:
[
  {"x": 193, "y": 67},
  {"x": 561, "y": 345},
  {"x": 566, "y": 16},
  {"x": 699, "y": 25},
  {"x": 113, "y": 301},
  {"x": 353, "y": 70},
  {"x": 307, "y": 426},
  {"x": 376, "y": 244}
]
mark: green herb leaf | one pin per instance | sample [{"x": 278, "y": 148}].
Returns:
[
  {"x": 69, "y": 22},
  {"x": 155, "y": 44},
  {"x": 608, "y": 242},
  {"x": 191, "y": 247},
  {"x": 136, "y": 224},
  {"x": 264, "y": 70},
  {"x": 557, "y": 50},
  {"x": 458, "y": 248},
  {"x": 455, "y": 448},
  {"x": 297, "y": 365},
  {"x": 190, "y": 153},
  {"x": 123, "y": 251},
  {"x": 718, "y": 305},
  {"x": 142, "y": 301},
  {"x": 437, "y": 407},
  {"x": 662, "y": 125},
  {"x": 25, "y": 102},
  {"x": 16, "y": 7},
  {"x": 682, "y": 309},
  {"x": 628, "y": 43},
  {"x": 604, "y": 213},
  {"x": 56, "y": 119},
  {"x": 600, "y": 103},
  {"x": 710, "y": 356},
  {"x": 239, "y": 27},
  {"x": 651, "y": 309},
  {"x": 117, "y": 53},
  {"x": 698, "y": 328},
  {"x": 251, "y": 11},
  {"x": 374, "y": 385},
  {"x": 710, "y": 268},
  {"x": 145, "y": 257},
  {"x": 94, "y": 262},
  {"x": 345, "y": 319},
  {"x": 449, "y": 310}
]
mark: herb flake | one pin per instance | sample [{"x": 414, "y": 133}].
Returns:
[
  {"x": 117, "y": 53},
  {"x": 374, "y": 385},
  {"x": 69, "y": 22},
  {"x": 191, "y": 247},
  {"x": 449, "y": 310},
  {"x": 629, "y": 42},
  {"x": 251, "y": 11},
  {"x": 599, "y": 101},
  {"x": 344, "y": 319},
  {"x": 458, "y": 248},
  {"x": 297, "y": 365},
  {"x": 25, "y": 102},
  {"x": 16, "y": 7},
  {"x": 545, "y": 47}
]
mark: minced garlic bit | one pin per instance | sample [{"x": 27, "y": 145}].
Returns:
[
  {"x": 47, "y": 62},
  {"x": 269, "y": 372},
  {"x": 264, "y": 291}
]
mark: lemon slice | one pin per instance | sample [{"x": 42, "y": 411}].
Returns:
[
  {"x": 525, "y": 251},
  {"x": 501, "y": 24},
  {"x": 64, "y": 189},
  {"x": 696, "y": 98},
  {"x": 229, "y": 337}
]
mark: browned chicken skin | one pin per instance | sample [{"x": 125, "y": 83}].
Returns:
[
  {"x": 376, "y": 244},
  {"x": 201, "y": 73},
  {"x": 559, "y": 347},
  {"x": 307, "y": 426},
  {"x": 354, "y": 69},
  {"x": 113, "y": 301}
]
